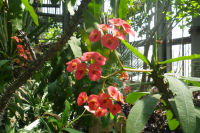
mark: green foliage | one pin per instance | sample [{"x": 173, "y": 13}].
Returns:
[
  {"x": 194, "y": 56},
  {"x": 92, "y": 14},
  {"x": 66, "y": 112},
  {"x": 123, "y": 9},
  {"x": 74, "y": 43},
  {"x": 30, "y": 9},
  {"x": 134, "y": 96},
  {"x": 173, "y": 123},
  {"x": 70, "y": 130},
  {"x": 115, "y": 7},
  {"x": 136, "y": 52},
  {"x": 184, "y": 104},
  {"x": 140, "y": 113}
]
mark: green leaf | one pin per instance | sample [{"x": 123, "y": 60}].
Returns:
[
  {"x": 70, "y": 8},
  {"x": 1, "y": 4},
  {"x": 194, "y": 56},
  {"x": 136, "y": 52},
  {"x": 191, "y": 78},
  {"x": 134, "y": 96},
  {"x": 173, "y": 123},
  {"x": 111, "y": 116},
  {"x": 92, "y": 14},
  {"x": 46, "y": 125},
  {"x": 85, "y": 39},
  {"x": 70, "y": 130},
  {"x": 194, "y": 88},
  {"x": 3, "y": 62},
  {"x": 30, "y": 9},
  {"x": 115, "y": 7},
  {"x": 75, "y": 46},
  {"x": 105, "y": 120},
  {"x": 184, "y": 104},
  {"x": 140, "y": 113},
  {"x": 123, "y": 9},
  {"x": 17, "y": 23},
  {"x": 95, "y": 8},
  {"x": 66, "y": 112},
  {"x": 197, "y": 109}
]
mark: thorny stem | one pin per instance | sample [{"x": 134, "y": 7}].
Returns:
[
  {"x": 136, "y": 70},
  {"x": 104, "y": 81},
  {"x": 110, "y": 75},
  {"x": 104, "y": 78},
  {"x": 120, "y": 63},
  {"x": 76, "y": 119}
]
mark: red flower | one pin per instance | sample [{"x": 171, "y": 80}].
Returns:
[
  {"x": 116, "y": 21},
  {"x": 105, "y": 101},
  {"x": 29, "y": 54},
  {"x": 124, "y": 75},
  {"x": 72, "y": 65},
  {"x": 118, "y": 34},
  {"x": 99, "y": 59},
  {"x": 94, "y": 72},
  {"x": 120, "y": 98},
  {"x": 114, "y": 84},
  {"x": 20, "y": 49},
  {"x": 113, "y": 92},
  {"x": 87, "y": 56},
  {"x": 100, "y": 112},
  {"x": 93, "y": 102},
  {"x": 109, "y": 41},
  {"x": 127, "y": 29},
  {"x": 104, "y": 27},
  {"x": 127, "y": 89},
  {"x": 95, "y": 35},
  {"x": 16, "y": 39},
  {"x": 80, "y": 72},
  {"x": 115, "y": 108},
  {"x": 25, "y": 57},
  {"x": 88, "y": 109},
  {"x": 82, "y": 98}
]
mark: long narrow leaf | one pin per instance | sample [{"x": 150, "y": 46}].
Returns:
[
  {"x": 184, "y": 104},
  {"x": 123, "y": 9},
  {"x": 115, "y": 7},
  {"x": 134, "y": 96},
  {"x": 194, "y": 88},
  {"x": 30, "y": 9},
  {"x": 191, "y": 78},
  {"x": 191, "y": 57},
  {"x": 136, "y": 52},
  {"x": 140, "y": 113},
  {"x": 46, "y": 125},
  {"x": 70, "y": 130}
]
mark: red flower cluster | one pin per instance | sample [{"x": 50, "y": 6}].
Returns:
[
  {"x": 23, "y": 51},
  {"x": 100, "y": 104},
  {"x": 124, "y": 75},
  {"x": 108, "y": 40},
  {"x": 127, "y": 89},
  {"x": 94, "y": 70}
]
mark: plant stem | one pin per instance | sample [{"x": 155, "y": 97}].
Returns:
[
  {"x": 104, "y": 81},
  {"x": 110, "y": 75},
  {"x": 136, "y": 70},
  {"x": 120, "y": 63},
  {"x": 76, "y": 119}
]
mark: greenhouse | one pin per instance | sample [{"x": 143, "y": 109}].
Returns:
[{"x": 99, "y": 66}]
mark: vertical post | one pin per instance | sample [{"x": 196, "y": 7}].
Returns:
[
  {"x": 195, "y": 36},
  {"x": 66, "y": 16}
]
